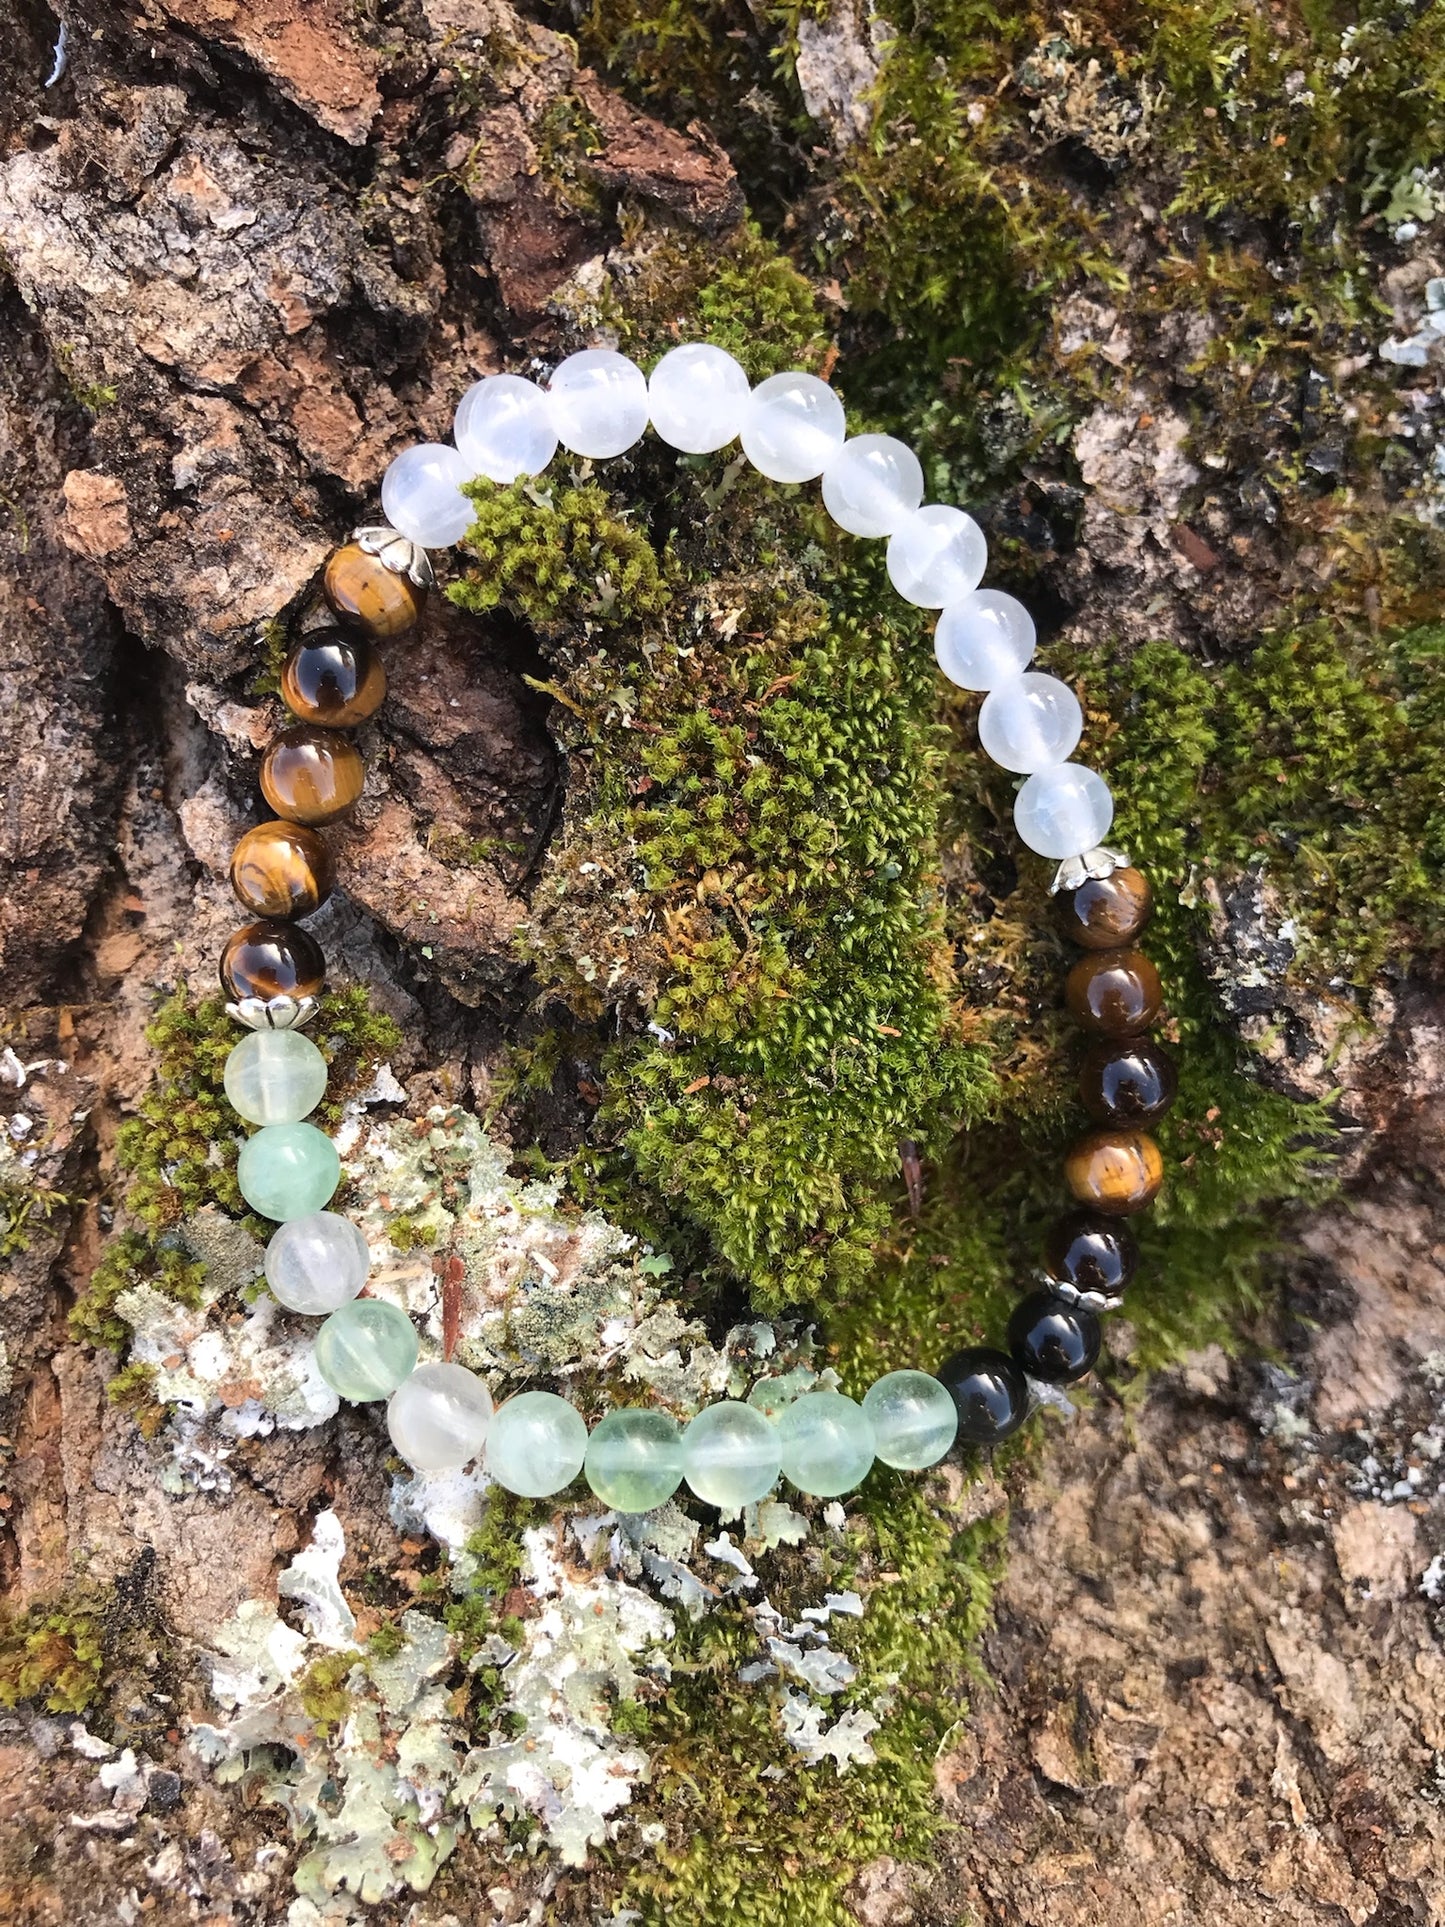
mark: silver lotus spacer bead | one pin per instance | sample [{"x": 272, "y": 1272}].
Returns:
[
  {"x": 1054, "y": 1395},
  {"x": 1071, "y": 1295},
  {"x": 1098, "y": 862},
  {"x": 274, "y": 1013},
  {"x": 396, "y": 552}
]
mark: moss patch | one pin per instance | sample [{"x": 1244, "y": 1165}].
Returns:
[{"x": 53, "y": 1654}]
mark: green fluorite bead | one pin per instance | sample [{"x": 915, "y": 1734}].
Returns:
[
  {"x": 365, "y": 1349},
  {"x": 536, "y": 1444},
  {"x": 275, "y": 1077},
  {"x": 634, "y": 1459},
  {"x": 915, "y": 1420},
  {"x": 287, "y": 1170},
  {"x": 731, "y": 1455},
  {"x": 827, "y": 1444}
]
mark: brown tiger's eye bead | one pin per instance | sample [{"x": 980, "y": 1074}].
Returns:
[
  {"x": 1106, "y": 912},
  {"x": 363, "y": 593},
  {"x": 282, "y": 870},
  {"x": 1092, "y": 1253},
  {"x": 1131, "y": 1083},
  {"x": 333, "y": 680},
  {"x": 1116, "y": 1172},
  {"x": 272, "y": 960},
  {"x": 1114, "y": 993},
  {"x": 311, "y": 776}
]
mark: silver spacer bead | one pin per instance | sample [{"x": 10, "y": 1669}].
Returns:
[
  {"x": 1098, "y": 862},
  {"x": 274, "y": 1013},
  {"x": 396, "y": 552},
  {"x": 1071, "y": 1295}
]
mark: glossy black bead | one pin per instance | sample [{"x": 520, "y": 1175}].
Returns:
[
  {"x": 1053, "y": 1340},
  {"x": 990, "y": 1392},
  {"x": 1127, "y": 1083},
  {"x": 1092, "y": 1253}
]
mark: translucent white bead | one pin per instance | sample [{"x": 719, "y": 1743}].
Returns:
[
  {"x": 827, "y": 1443},
  {"x": 438, "y": 1417},
  {"x": 598, "y": 401},
  {"x": 696, "y": 396},
  {"x": 316, "y": 1263},
  {"x": 872, "y": 485},
  {"x": 937, "y": 555},
  {"x": 504, "y": 428},
  {"x": 731, "y": 1455},
  {"x": 1030, "y": 722},
  {"x": 984, "y": 639},
  {"x": 1064, "y": 811},
  {"x": 536, "y": 1444},
  {"x": 793, "y": 427},
  {"x": 914, "y": 1419},
  {"x": 275, "y": 1077},
  {"x": 421, "y": 495}
]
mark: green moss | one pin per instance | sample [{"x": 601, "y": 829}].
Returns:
[
  {"x": 753, "y": 302},
  {"x": 133, "y": 1390},
  {"x": 546, "y": 553},
  {"x": 53, "y": 1654},
  {"x": 132, "y": 1258},
  {"x": 22, "y": 1208},
  {"x": 324, "y": 1693}
]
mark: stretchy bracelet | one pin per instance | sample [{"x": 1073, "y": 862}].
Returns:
[{"x": 440, "y": 1415}]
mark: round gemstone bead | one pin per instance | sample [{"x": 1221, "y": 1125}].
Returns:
[
  {"x": 793, "y": 427},
  {"x": 365, "y": 1349},
  {"x": 333, "y": 680},
  {"x": 1064, "y": 810},
  {"x": 731, "y": 1455},
  {"x": 536, "y": 1444},
  {"x": 282, "y": 870},
  {"x": 1030, "y": 722},
  {"x": 438, "y": 1417},
  {"x": 1092, "y": 1253},
  {"x": 421, "y": 494},
  {"x": 1106, "y": 913},
  {"x": 275, "y": 1077},
  {"x": 364, "y": 594},
  {"x": 1131, "y": 1083},
  {"x": 308, "y": 775},
  {"x": 914, "y": 1420},
  {"x": 634, "y": 1459},
  {"x": 598, "y": 402},
  {"x": 317, "y": 1263},
  {"x": 504, "y": 428},
  {"x": 989, "y": 1393},
  {"x": 984, "y": 639},
  {"x": 936, "y": 556},
  {"x": 288, "y": 1170},
  {"x": 872, "y": 485},
  {"x": 1052, "y": 1340},
  {"x": 826, "y": 1443},
  {"x": 697, "y": 395},
  {"x": 1113, "y": 993},
  {"x": 267, "y": 959},
  {"x": 1116, "y": 1172}
]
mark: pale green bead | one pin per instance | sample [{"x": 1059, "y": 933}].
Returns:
[
  {"x": 365, "y": 1349},
  {"x": 275, "y": 1077},
  {"x": 287, "y": 1170},
  {"x": 536, "y": 1444},
  {"x": 731, "y": 1455},
  {"x": 827, "y": 1444},
  {"x": 915, "y": 1420},
  {"x": 634, "y": 1459}
]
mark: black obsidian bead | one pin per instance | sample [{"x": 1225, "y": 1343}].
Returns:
[
  {"x": 1053, "y": 1340},
  {"x": 1127, "y": 1083},
  {"x": 1092, "y": 1253},
  {"x": 989, "y": 1391}
]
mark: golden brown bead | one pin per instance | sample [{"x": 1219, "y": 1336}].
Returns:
[
  {"x": 272, "y": 960},
  {"x": 311, "y": 775},
  {"x": 1116, "y": 1172},
  {"x": 333, "y": 680},
  {"x": 363, "y": 593},
  {"x": 282, "y": 870},
  {"x": 1105, "y": 913},
  {"x": 1113, "y": 993}
]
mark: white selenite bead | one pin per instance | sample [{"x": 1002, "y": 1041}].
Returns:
[
  {"x": 1064, "y": 810},
  {"x": 504, "y": 428},
  {"x": 984, "y": 639},
  {"x": 317, "y": 1263},
  {"x": 936, "y": 555},
  {"x": 1030, "y": 722},
  {"x": 598, "y": 402},
  {"x": 697, "y": 395},
  {"x": 793, "y": 427},
  {"x": 421, "y": 495},
  {"x": 872, "y": 485},
  {"x": 438, "y": 1417}
]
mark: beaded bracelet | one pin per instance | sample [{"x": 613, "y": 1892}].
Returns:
[{"x": 439, "y": 1414}]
